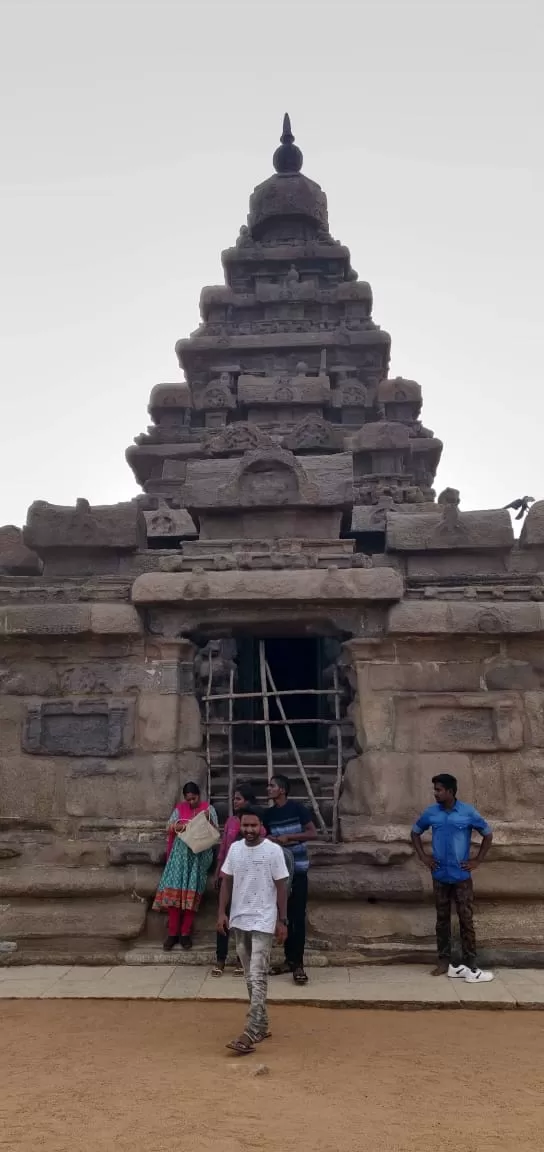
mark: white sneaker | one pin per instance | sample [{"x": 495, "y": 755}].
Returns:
[
  {"x": 459, "y": 972},
  {"x": 476, "y": 976}
]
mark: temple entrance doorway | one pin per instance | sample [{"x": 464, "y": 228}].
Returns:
[
  {"x": 295, "y": 666},
  {"x": 280, "y": 712}
]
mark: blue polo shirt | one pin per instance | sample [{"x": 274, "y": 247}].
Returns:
[{"x": 451, "y": 830}]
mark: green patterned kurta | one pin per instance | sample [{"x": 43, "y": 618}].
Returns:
[{"x": 183, "y": 881}]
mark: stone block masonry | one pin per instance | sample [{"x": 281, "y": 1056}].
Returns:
[{"x": 288, "y": 496}]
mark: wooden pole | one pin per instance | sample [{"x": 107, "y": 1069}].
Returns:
[
  {"x": 295, "y": 751},
  {"x": 208, "y": 741},
  {"x": 231, "y": 740},
  {"x": 339, "y": 758},
  {"x": 266, "y": 711}
]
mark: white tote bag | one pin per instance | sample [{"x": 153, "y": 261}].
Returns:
[{"x": 200, "y": 834}]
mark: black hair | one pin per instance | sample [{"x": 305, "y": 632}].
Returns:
[
  {"x": 190, "y": 786},
  {"x": 283, "y": 783},
  {"x": 447, "y": 781},
  {"x": 247, "y": 792},
  {"x": 251, "y": 811}
]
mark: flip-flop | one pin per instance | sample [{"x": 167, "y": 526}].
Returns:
[
  {"x": 243, "y": 1046},
  {"x": 281, "y": 970},
  {"x": 217, "y": 970}
]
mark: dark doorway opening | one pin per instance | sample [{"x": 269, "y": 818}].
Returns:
[{"x": 296, "y": 666}]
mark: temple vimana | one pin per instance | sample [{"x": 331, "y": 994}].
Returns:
[{"x": 285, "y": 593}]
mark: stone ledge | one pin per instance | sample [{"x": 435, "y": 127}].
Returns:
[
  {"x": 483, "y": 618},
  {"x": 331, "y": 585},
  {"x": 56, "y": 882},
  {"x": 470, "y": 532},
  {"x": 69, "y": 620}
]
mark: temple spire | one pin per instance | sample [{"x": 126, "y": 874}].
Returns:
[{"x": 287, "y": 158}]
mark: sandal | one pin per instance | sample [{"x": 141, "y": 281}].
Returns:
[
  {"x": 242, "y": 1046},
  {"x": 218, "y": 969},
  {"x": 284, "y": 969},
  {"x": 238, "y": 969},
  {"x": 299, "y": 976},
  {"x": 265, "y": 1036}
]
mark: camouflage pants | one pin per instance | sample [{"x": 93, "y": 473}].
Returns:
[
  {"x": 254, "y": 950},
  {"x": 462, "y": 895}
]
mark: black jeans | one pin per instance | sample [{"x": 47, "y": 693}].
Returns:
[
  {"x": 222, "y": 944},
  {"x": 296, "y": 920}
]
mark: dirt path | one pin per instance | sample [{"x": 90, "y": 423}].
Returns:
[{"x": 98, "y": 1076}]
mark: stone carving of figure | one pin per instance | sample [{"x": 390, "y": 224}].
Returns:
[
  {"x": 244, "y": 238},
  {"x": 292, "y": 276}
]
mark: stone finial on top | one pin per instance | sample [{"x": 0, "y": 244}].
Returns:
[{"x": 287, "y": 158}]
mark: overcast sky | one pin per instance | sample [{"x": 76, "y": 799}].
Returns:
[{"x": 132, "y": 136}]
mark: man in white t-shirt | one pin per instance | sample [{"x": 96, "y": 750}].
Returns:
[{"x": 254, "y": 882}]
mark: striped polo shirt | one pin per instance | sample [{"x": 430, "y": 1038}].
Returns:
[{"x": 290, "y": 819}]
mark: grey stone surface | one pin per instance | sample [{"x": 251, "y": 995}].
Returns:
[
  {"x": 491, "y": 617},
  {"x": 289, "y": 587},
  {"x": 269, "y": 478},
  {"x": 18, "y": 620},
  {"x": 470, "y": 531},
  {"x": 15, "y": 558},
  {"x": 144, "y": 785},
  {"x": 51, "y": 527},
  {"x": 79, "y": 728},
  {"x": 118, "y": 919},
  {"x": 532, "y": 532}
]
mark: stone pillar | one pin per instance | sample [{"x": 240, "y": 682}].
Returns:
[{"x": 169, "y": 721}]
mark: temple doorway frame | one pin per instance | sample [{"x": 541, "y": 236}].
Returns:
[{"x": 268, "y": 691}]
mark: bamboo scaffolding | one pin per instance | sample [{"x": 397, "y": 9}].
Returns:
[
  {"x": 295, "y": 750},
  {"x": 208, "y": 725},
  {"x": 266, "y": 712},
  {"x": 231, "y": 741},
  {"x": 284, "y": 692},
  {"x": 339, "y": 758},
  {"x": 270, "y": 723}
]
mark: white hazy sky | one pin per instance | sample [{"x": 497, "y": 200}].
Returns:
[{"x": 132, "y": 135}]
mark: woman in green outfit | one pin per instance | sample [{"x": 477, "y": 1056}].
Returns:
[{"x": 185, "y": 873}]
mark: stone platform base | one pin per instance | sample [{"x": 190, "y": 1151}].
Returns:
[{"x": 399, "y": 987}]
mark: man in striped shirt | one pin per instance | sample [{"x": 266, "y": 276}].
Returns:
[{"x": 290, "y": 824}]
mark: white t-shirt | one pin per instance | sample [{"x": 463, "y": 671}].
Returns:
[{"x": 254, "y": 904}]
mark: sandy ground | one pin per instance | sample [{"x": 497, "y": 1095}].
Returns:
[{"x": 96, "y": 1076}]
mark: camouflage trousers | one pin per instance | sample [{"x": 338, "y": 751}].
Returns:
[
  {"x": 254, "y": 950},
  {"x": 462, "y": 895}
]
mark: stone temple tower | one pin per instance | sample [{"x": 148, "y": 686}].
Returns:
[
  {"x": 287, "y": 359},
  {"x": 284, "y": 593}
]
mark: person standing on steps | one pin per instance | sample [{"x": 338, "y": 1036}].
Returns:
[
  {"x": 290, "y": 825},
  {"x": 451, "y": 866},
  {"x": 183, "y": 881},
  {"x": 254, "y": 884}
]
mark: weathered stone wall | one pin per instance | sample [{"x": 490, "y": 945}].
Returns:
[
  {"x": 470, "y": 705},
  {"x": 95, "y": 729}
]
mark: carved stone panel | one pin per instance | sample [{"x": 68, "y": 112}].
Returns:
[
  {"x": 281, "y": 390},
  {"x": 457, "y": 723},
  {"x": 78, "y": 728}
]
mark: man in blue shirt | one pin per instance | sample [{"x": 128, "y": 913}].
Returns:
[{"x": 451, "y": 823}]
